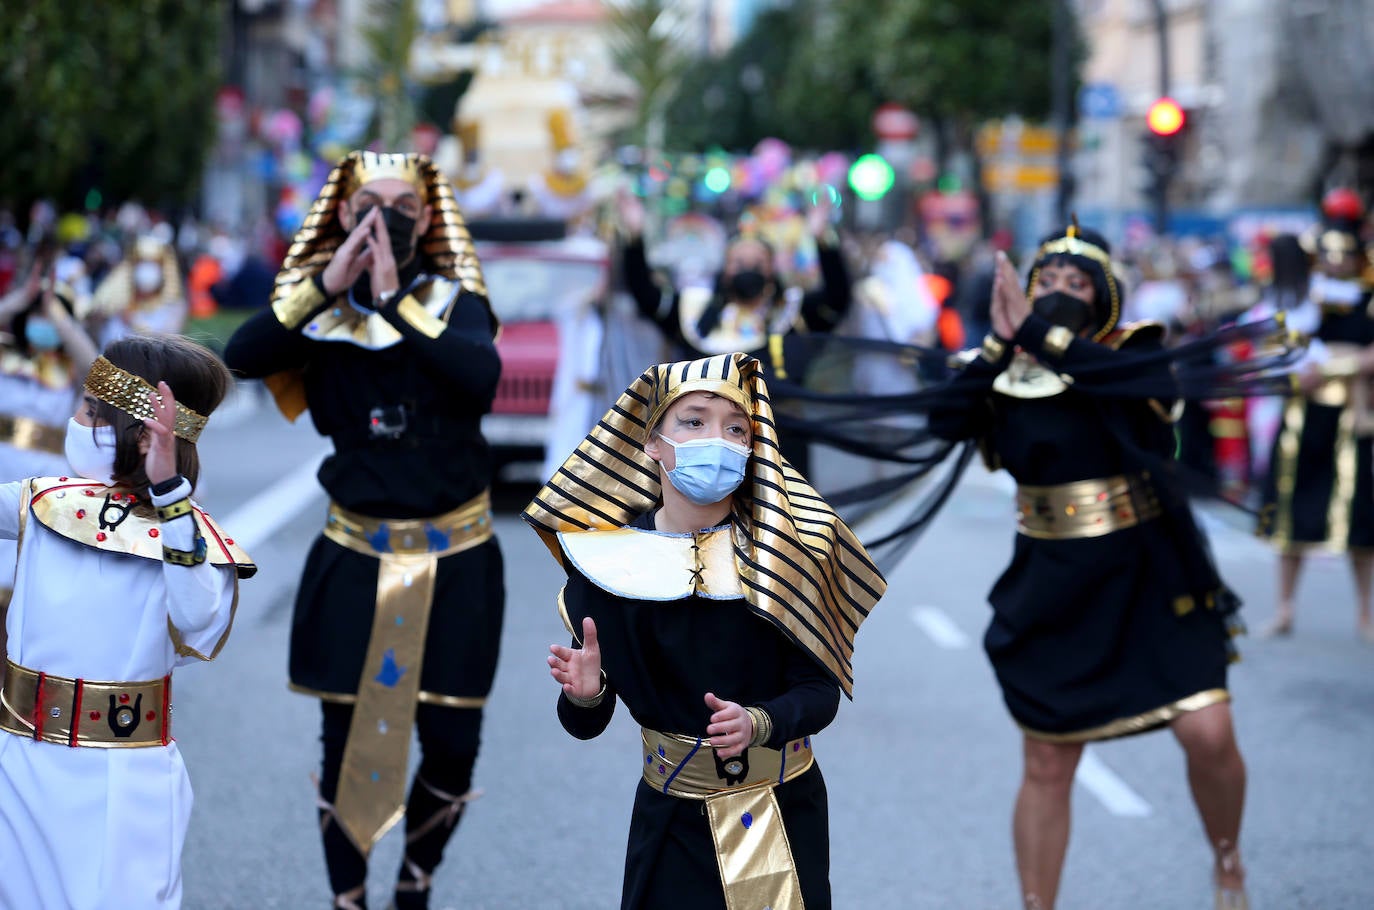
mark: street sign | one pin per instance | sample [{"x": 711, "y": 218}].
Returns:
[
  {"x": 1099, "y": 101},
  {"x": 894, "y": 123}
]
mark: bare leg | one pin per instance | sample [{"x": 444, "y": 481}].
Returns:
[
  {"x": 1290, "y": 567},
  {"x": 1216, "y": 774},
  {"x": 1362, "y": 565},
  {"x": 1040, "y": 824}
]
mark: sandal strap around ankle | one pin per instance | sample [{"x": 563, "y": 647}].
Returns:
[
  {"x": 349, "y": 899},
  {"x": 419, "y": 881}
]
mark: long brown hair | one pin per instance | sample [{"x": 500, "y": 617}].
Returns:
[{"x": 198, "y": 379}]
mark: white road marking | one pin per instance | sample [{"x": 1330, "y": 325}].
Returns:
[
  {"x": 941, "y": 629},
  {"x": 1113, "y": 792},
  {"x": 255, "y": 521}
]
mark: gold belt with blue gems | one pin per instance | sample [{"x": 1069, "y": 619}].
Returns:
[
  {"x": 752, "y": 851},
  {"x": 372, "y": 781}
]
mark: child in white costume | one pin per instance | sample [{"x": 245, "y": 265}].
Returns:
[{"x": 120, "y": 578}]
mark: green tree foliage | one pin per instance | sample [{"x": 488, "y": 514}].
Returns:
[
  {"x": 823, "y": 66},
  {"x": 646, "y": 41},
  {"x": 112, "y": 95}
]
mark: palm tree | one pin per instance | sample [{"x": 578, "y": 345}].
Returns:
[{"x": 647, "y": 41}]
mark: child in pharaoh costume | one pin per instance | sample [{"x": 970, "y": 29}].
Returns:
[
  {"x": 713, "y": 592},
  {"x": 121, "y": 579},
  {"x": 141, "y": 294}
]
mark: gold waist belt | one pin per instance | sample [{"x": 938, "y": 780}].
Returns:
[
  {"x": 752, "y": 851},
  {"x": 1085, "y": 508},
  {"x": 27, "y": 433},
  {"x": 84, "y": 712},
  {"x": 372, "y": 781}
]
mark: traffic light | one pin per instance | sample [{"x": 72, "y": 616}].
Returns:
[
  {"x": 871, "y": 177},
  {"x": 1160, "y": 154}
]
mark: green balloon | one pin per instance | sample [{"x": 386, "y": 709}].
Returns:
[{"x": 871, "y": 177}]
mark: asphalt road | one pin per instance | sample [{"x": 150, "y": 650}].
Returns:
[{"x": 921, "y": 766}]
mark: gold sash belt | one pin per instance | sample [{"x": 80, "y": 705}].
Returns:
[
  {"x": 752, "y": 851},
  {"x": 372, "y": 781},
  {"x": 30, "y": 434},
  {"x": 84, "y": 712},
  {"x": 1085, "y": 508}
]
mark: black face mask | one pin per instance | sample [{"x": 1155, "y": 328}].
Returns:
[
  {"x": 1064, "y": 309},
  {"x": 400, "y": 230},
  {"x": 748, "y": 284}
]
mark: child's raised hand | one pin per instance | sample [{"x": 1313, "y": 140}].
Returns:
[
  {"x": 578, "y": 669},
  {"x": 160, "y": 463}
]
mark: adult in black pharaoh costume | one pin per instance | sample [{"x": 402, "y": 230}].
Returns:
[
  {"x": 715, "y": 594},
  {"x": 748, "y": 310},
  {"x": 1320, "y": 488},
  {"x": 380, "y": 325},
  {"x": 1111, "y": 619}
]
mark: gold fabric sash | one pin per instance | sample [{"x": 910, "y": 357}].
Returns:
[
  {"x": 1085, "y": 508},
  {"x": 752, "y": 850},
  {"x": 31, "y": 435},
  {"x": 83, "y": 712},
  {"x": 372, "y": 781}
]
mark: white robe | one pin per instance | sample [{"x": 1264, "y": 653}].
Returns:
[
  {"x": 87, "y": 828},
  {"x": 24, "y": 397}
]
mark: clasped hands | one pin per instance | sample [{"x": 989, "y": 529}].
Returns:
[
  {"x": 1010, "y": 305},
  {"x": 578, "y": 671},
  {"x": 366, "y": 249}
]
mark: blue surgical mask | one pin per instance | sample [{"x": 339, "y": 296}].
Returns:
[
  {"x": 707, "y": 471},
  {"x": 42, "y": 335}
]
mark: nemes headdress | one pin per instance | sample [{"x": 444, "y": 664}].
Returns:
[
  {"x": 1089, "y": 252},
  {"x": 116, "y": 294},
  {"x": 446, "y": 248},
  {"x": 129, "y": 393},
  {"x": 800, "y": 565}
]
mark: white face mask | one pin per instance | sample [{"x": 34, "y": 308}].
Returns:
[
  {"x": 147, "y": 277},
  {"x": 91, "y": 451}
]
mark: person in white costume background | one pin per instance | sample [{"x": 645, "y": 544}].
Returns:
[{"x": 121, "y": 578}]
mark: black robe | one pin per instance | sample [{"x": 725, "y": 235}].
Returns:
[
  {"x": 1090, "y": 633},
  {"x": 661, "y": 658},
  {"x": 445, "y": 384}
]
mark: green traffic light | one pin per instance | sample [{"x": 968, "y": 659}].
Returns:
[
  {"x": 871, "y": 177},
  {"x": 717, "y": 180}
]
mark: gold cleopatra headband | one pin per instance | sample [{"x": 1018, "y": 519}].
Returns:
[
  {"x": 129, "y": 393},
  {"x": 1073, "y": 245}
]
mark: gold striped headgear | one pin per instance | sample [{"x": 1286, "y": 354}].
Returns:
[
  {"x": 800, "y": 565},
  {"x": 1093, "y": 259},
  {"x": 116, "y": 294},
  {"x": 445, "y": 249},
  {"x": 121, "y": 389}
]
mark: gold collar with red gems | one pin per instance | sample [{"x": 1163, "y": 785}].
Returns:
[{"x": 102, "y": 517}]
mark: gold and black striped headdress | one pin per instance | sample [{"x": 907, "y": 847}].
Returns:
[
  {"x": 116, "y": 294},
  {"x": 446, "y": 248},
  {"x": 800, "y": 566}
]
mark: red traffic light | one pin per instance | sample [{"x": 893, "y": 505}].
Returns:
[{"x": 1165, "y": 117}]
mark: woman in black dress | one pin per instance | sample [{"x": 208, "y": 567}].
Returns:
[{"x": 1110, "y": 620}]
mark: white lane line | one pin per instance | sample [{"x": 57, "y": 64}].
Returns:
[
  {"x": 1113, "y": 792},
  {"x": 941, "y": 629},
  {"x": 255, "y": 521}
]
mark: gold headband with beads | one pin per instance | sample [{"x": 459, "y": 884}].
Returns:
[
  {"x": 129, "y": 393},
  {"x": 371, "y": 166},
  {"x": 1072, "y": 244}
]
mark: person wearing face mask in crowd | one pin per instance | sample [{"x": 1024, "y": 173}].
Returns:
[
  {"x": 1111, "y": 619},
  {"x": 141, "y": 294},
  {"x": 1319, "y": 491},
  {"x": 749, "y": 310},
  {"x": 700, "y": 545},
  {"x": 42, "y": 362},
  {"x": 122, "y": 578},
  {"x": 380, "y": 325}
]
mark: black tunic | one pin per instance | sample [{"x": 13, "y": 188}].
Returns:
[
  {"x": 661, "y": 658},
  {"x": 1315, "y": 459},
  {"x": 821, "y": 311},
  {"x": 1084, "y": 631},
  {"x": 445, "y": 385}
]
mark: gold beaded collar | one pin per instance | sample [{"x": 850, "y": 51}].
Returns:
[{"x": 122, "y": 389}]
